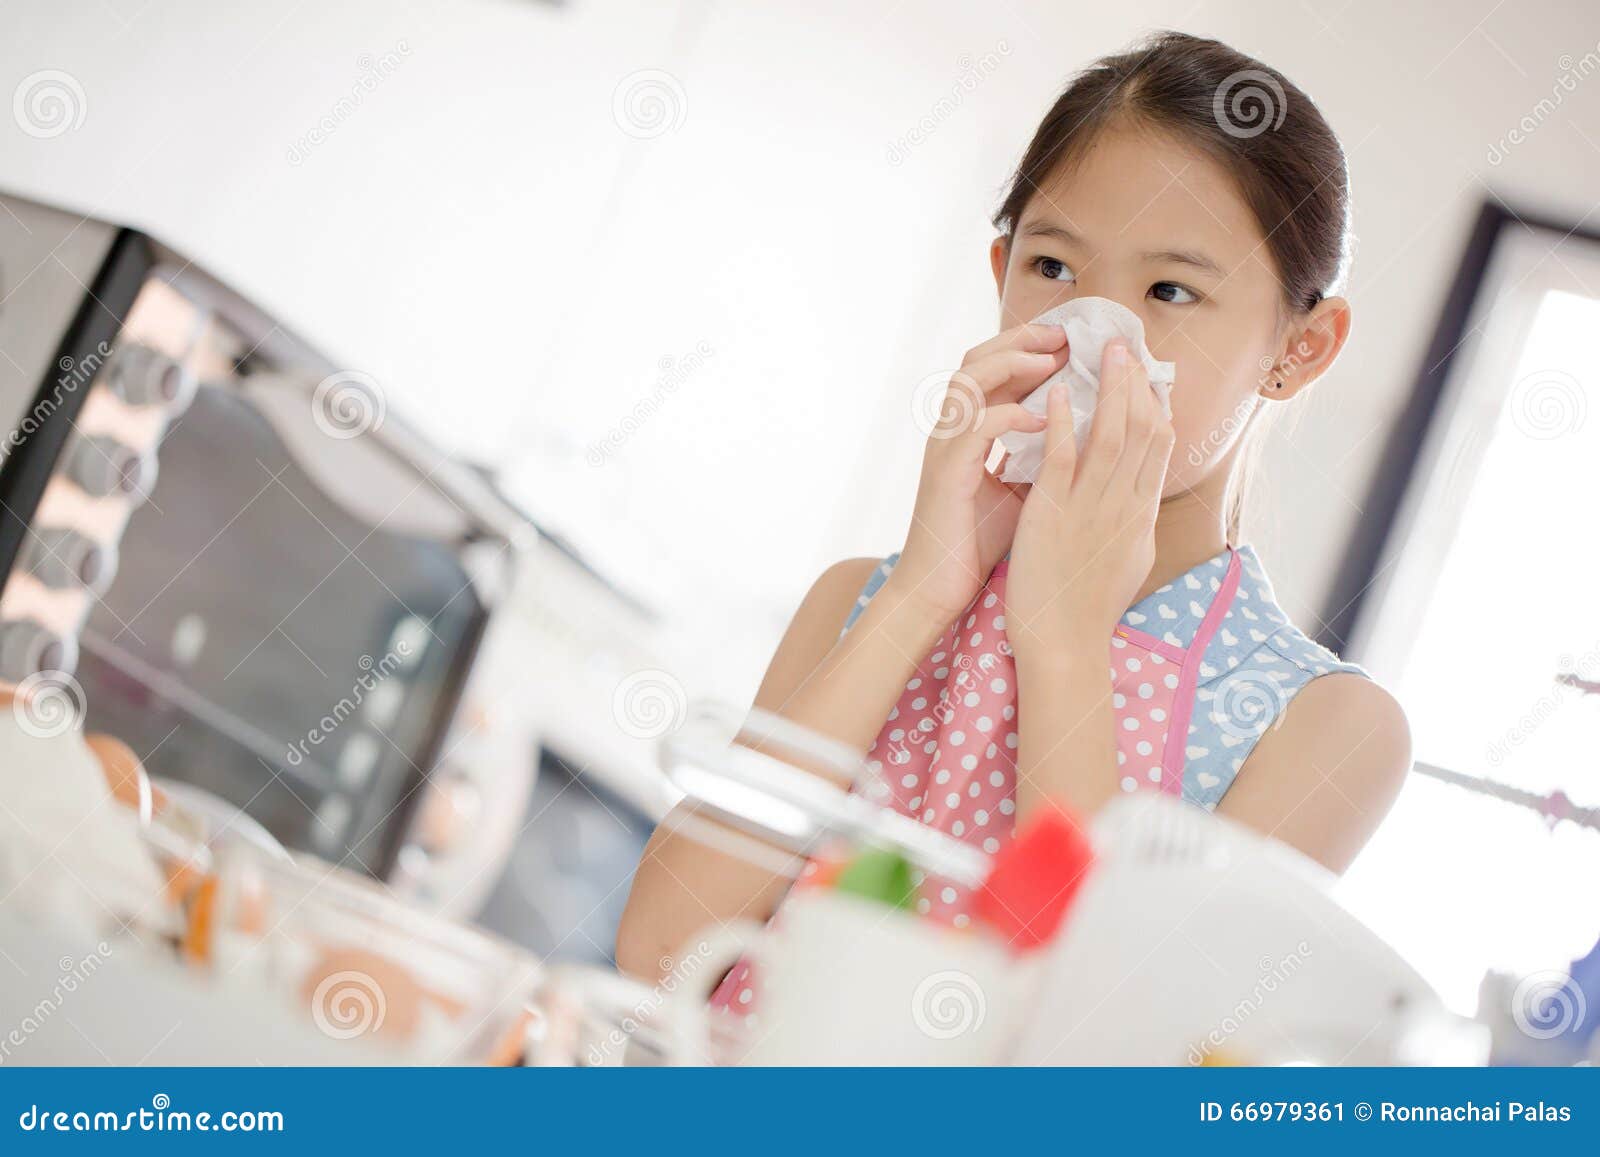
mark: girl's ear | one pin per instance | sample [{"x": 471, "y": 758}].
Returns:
[
  {"x": 1313, "y": 342},
  {"x": 999, "y": 255}
]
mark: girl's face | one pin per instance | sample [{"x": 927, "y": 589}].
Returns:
[{"x": 1160, "y": 228}]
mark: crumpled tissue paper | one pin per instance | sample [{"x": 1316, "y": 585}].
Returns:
[{"x": 1090, "y": 322}]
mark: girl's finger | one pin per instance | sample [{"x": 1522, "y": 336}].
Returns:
[
  {"x": 1153, "y": 470},
  {"x": 1142, "y": 413},
  {"x": 1038, "y": 339},
  {"x": 972, "y": 390},
  {"x": 972, "y": 445},
  {"x": 1004, "y": 419},
  {"x": 1110, "y": 429},
  {"x": 1060, "y": 446},
  {"x": 1009, "y": 375}
]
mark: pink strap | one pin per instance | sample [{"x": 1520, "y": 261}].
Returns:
[
  {"x": 1176, "y": 752},
  {"x": 1150, "y": 643}
]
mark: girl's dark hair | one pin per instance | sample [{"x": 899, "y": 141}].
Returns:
[{"x": 1250, "y": 118}]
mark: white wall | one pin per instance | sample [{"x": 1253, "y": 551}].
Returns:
[{"x": 483, "y": 235}]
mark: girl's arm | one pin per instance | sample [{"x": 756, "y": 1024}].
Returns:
[
  {"x": 1320, "y": 781},
  {"x": 1324, "y": 777},
  {"x": 843, "y": 688},
  {"x": 1084, "y": 543}
]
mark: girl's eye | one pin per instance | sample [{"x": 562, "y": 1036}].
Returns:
[
  {"x": 1053, "y": 269},
  {"x": 1173, "y": 294}
]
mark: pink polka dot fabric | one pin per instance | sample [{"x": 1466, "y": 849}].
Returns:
[{"x": 947, "y": 753}]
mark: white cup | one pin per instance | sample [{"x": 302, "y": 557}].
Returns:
[{"x": 842, "y": 980}]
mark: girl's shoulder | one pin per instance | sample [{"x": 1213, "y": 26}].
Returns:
[
  {"x": 1257, "y": 634},
  {"x": 814, "y": 627},
  {"x": 1255, "y": 665}
]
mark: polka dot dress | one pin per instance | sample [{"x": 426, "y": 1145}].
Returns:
[{"x": 946, "y": 755}]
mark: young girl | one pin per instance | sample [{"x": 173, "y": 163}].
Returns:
[{"x": 1205, "y": 192}]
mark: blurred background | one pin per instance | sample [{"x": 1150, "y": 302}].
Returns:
[{"x": 670, "y": 275}]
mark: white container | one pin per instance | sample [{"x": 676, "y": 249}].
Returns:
[{"x": 846, "y": 981}]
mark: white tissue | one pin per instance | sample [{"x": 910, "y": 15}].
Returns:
[{"x": 1090, "y": 322}]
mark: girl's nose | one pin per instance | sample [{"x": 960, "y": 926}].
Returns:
[{"x": 1090, "y": 286}]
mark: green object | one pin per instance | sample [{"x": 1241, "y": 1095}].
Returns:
[{"x": 881, "y": 876}]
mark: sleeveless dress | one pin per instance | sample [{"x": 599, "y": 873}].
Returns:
[{"x": 1200, "y": 669}]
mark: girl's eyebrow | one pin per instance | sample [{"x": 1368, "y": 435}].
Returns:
[
  {"x": 1180, "y": 256},
  {"x": 1187, "y": 257}
]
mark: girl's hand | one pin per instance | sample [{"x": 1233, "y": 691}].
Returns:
[
  {"x": 965, "y": 517},
  {"x": 1085, "y": 541}
]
